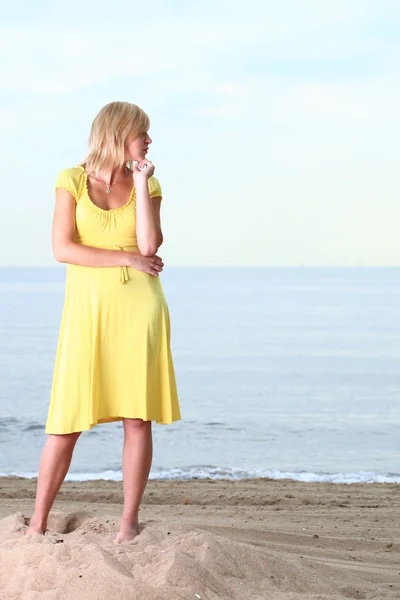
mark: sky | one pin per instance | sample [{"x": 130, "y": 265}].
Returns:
[{"x": 275, "y": 125}]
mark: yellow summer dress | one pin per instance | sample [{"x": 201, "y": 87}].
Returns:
[{"x": 113, "y": 357}]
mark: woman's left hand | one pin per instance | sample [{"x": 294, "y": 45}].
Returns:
[{"x": 143, "y": 169}]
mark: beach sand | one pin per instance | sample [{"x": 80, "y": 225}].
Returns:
[{"x": 254, "y": 539}]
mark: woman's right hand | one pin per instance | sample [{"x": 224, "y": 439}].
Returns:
[{"x": 148, "y": 264}]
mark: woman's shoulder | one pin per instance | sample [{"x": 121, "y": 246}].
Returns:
[
  {"x": 71, "y": 179},
  {"x": 73, "y": 173},
  {"x": 154, "y": 187}
]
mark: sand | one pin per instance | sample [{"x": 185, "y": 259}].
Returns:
[{"x": 255, "y": 539}]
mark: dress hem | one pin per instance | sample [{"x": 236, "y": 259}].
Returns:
[{"x": 108, "y": 420}]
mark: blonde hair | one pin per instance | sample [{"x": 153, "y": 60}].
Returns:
[{"x": 109, "y": 132}]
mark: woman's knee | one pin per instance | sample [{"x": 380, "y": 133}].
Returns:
[
  {"x": 136, "y": 425},
  {"x": 65, "y": 439}
]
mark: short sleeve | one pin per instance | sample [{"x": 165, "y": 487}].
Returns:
[
  {"x": 154, "y": 187},
  {"x": 67, "y": 181}
]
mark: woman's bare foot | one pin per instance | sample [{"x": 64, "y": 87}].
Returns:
[
  {"x": 36, "y": 527},
  {"x": 127, "y": 532}
]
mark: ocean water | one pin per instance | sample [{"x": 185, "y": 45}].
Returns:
[{"x": 282, "y": 372}]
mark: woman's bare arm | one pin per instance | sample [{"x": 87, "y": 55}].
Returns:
[
  {"x": 148, "y": 227},
  {"x": 66, "y": 250}
]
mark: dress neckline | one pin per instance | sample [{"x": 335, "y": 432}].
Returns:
[{"x": 105, "y": 210}]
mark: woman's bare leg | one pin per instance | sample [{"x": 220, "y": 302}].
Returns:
[
  {"x": 137, "y": 455},
  {"x": 54, "y": 465}
]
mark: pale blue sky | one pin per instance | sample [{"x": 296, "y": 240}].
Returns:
[{"x": 275, "y": 125}]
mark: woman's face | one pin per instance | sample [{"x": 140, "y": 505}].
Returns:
[{"x": 136, "y": 148}]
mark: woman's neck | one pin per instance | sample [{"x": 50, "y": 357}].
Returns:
[{"x": 110, "y": 177}]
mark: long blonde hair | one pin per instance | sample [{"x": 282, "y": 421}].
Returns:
[{"x": 109, "y": 132}]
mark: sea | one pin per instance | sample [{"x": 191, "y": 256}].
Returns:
[{"x": 282, "y": 373}]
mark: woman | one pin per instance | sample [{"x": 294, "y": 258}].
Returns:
[{"x": 113, "y": 358}]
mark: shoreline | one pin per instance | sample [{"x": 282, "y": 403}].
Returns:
[{"x": 231, "y": 474}]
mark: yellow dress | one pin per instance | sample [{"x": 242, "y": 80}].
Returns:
[{"x": 113, "y": 357}]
